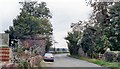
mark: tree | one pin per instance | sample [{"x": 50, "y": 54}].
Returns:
[
  {"x": 30, "y": 25},
  {"x": 102, "y": 45},
  {"x": 48, "y": 44},
  {"x": 33, "y": 19},
  {"x": 35, "y": 9},
  {"x": 88, "y": 41},
  {"x": 113, "y": 29},
  {"x": 58, "y": 49},
  {"x": 72, "y": 40},
  {"x": 94, "y": 39},
  {"x": 106, "y": 17}
]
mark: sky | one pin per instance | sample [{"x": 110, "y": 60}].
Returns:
[{"x": 64, "y": 13}]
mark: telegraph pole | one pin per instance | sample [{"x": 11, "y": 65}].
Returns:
[{"x": 54, "y": 45}]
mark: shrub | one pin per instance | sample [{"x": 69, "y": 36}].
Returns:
[
  {"x": 24, "y": 64},
  {"x": 35, "y": 61}
]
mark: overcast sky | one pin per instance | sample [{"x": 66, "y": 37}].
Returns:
[{"x": 64, "y": 13}]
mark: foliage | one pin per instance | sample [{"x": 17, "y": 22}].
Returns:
[
  {"x": 33, "y": 19},
  {"x": 72, "y": 40},
  {"x": 20, "y": 53},
  {"x": 113, "y": 31},
  {"x": 87, "y": 41},
  {"x": 58, "y": 49},
  {"x": 102, "y": 45},
  {"x": 104, "y": 33},
  {"x": 35, "y": 9},
  {"x": 101, "y": 31},
  {"x": 48, "y": 44},
  {"x": 92, "y": 43},
  {"x": 106, "y": 18},
  {"x": 30, "y": 25},
  {"x": 24, "y": 65}
]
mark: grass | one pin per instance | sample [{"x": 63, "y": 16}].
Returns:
[{"x": 113, "y": 65}]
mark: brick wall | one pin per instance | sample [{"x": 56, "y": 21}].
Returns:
[
  {"x": 5, "y": 54},
  {"x": 38, "y": 44}
]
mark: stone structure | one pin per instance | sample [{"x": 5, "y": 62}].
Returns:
[
  {"x": 5, "y": 54},
  {"x": 4, "y": 39},
  {"x": 5, "y": 51},
  {"x": 81, "y": 52},
  {"x": 36, "y": 43}
]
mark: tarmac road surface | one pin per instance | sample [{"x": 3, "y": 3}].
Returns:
[{"x": 63, "y": 61}]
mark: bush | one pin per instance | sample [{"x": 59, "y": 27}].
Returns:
[
  {"x": 24, "y": 64},
  {"x": 35, "y": 61}
]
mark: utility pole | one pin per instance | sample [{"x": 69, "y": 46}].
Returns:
[{"x": 54, "y": 45}]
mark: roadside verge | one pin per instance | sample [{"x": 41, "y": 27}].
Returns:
[{"x": 111, "y": 65}]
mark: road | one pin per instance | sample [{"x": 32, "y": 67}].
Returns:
[{"x": 62, "y": 60}]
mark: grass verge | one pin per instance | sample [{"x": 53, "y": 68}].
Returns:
[{"x": 112, "y": 65}]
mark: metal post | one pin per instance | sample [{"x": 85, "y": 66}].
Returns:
[{"x": 54, "y": 47}]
